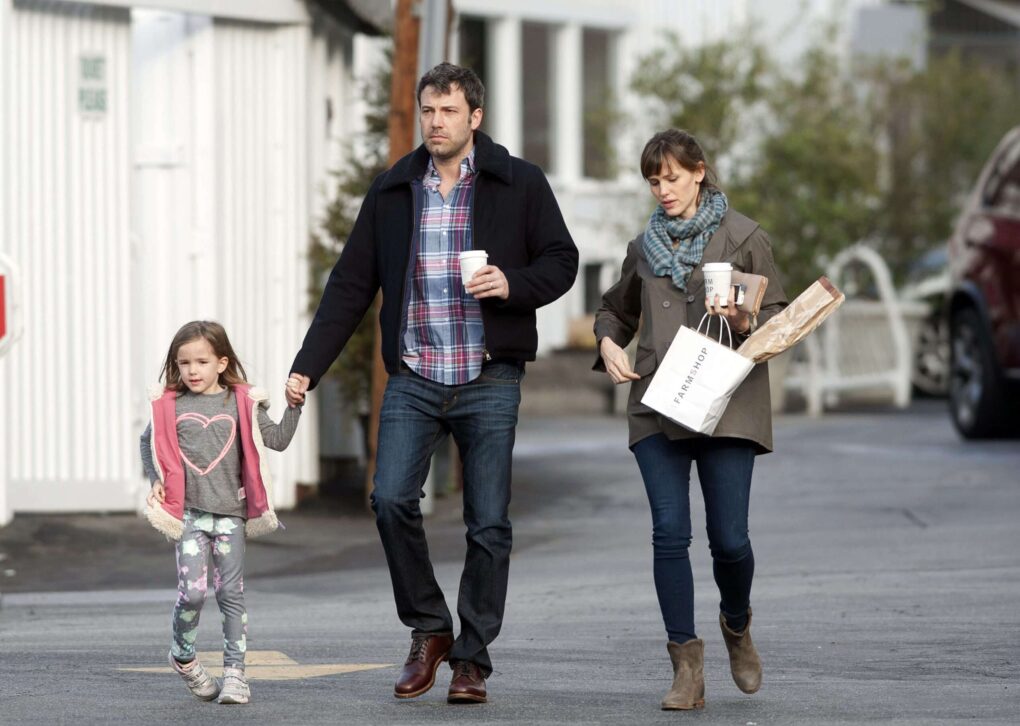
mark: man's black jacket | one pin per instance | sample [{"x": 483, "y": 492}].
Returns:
[{"x": 515, "y": 218}]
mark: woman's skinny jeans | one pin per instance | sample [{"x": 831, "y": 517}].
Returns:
[{"x": 724, "y": 469}]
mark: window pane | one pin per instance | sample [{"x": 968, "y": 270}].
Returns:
[
  {"x": 535, "y": 39},
  {"x": 598, "y": 104},
  {"x": 592, "y": 286},
  {"x": 473, "y": 39}
]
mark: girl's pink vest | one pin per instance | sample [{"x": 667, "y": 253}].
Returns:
[{"x": 166, "y": 454}]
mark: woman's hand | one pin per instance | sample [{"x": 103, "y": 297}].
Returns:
[
  {"x": 157, "y": 495},
  {"x": 739, "y": 321},
  {"x": 617, "y": 362}
]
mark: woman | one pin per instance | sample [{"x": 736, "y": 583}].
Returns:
[{"x": 660, "y": 289}]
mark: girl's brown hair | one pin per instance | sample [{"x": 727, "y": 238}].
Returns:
[
  {"x": 216, "y": 336},
  {"x": 679, "y": 146}
]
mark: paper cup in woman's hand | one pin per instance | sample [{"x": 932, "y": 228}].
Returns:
[{"x": 717, "y": 281}]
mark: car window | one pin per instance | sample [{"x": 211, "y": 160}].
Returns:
[{"x": 1002, "y": 191}]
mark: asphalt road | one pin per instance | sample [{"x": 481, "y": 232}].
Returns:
[{"x": 886, "y": 591}]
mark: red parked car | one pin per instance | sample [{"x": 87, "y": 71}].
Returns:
[{"x": 984, "y": 301}]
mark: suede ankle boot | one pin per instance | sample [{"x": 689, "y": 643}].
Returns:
[
  {"x": 745, "y": 665},
  {"x": 688, "y": 689}
]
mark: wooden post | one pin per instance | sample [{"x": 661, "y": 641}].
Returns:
[{"x": 402, "y": 120}]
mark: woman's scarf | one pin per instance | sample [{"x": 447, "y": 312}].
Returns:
[{"x": 693, "y": 235}]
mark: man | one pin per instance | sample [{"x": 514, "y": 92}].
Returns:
[{"x": 455, "y": 355}]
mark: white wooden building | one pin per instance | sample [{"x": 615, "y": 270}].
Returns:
[{"x": 160, "y": 161}]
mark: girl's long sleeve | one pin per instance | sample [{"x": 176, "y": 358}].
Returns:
[
  {"x": 278, "y": 436},
  {"x": 146, "y": 451}
]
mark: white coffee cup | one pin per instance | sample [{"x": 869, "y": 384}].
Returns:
[
  {"x": 471, "y": 261},
  {"x": 717, "y": 281}
]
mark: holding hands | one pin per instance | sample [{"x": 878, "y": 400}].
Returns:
[{"x": 297, "y": 386}]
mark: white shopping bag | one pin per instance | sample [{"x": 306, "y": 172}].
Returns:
[{"x": 696, "y": 379}]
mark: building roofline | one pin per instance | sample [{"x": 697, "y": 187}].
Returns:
[{"x": 370, "y": 17}]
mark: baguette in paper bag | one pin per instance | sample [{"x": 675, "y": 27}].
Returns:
[{"x": 793, "y": 324}]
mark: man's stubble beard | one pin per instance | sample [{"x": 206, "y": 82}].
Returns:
[{"x": 456, "y": 153}]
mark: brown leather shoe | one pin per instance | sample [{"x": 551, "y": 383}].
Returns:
[
  {"x": 467, "y": 685},
  {"x": 428, "y": 650}
]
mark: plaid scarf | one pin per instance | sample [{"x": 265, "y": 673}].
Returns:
[{"x": 693, "y": 235}]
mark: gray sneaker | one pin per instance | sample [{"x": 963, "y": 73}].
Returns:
[
  {"x": 199, "y": 682},
  {"x": 235, "y": 687}
]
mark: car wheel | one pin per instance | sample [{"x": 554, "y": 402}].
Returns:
[
  {"x": 977, "y": 396},
  {"x": 931, "y": 357}
]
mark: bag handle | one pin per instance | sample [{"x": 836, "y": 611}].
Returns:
[{"x": 724, "y": 323}]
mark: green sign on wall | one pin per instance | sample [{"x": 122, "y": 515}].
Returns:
[{"x": 92, "y": 97}]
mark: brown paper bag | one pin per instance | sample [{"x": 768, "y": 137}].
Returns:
[{"x": 793, "y": 324}]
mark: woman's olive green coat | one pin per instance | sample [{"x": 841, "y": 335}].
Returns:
[{"x": 654, "y": 308}]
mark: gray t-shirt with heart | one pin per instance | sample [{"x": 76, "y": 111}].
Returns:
[{"x": 207, "y": 431}]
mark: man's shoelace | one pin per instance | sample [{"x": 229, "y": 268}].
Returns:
[
  {"x": 418, "y": 645},
  {"x": 463, "y": 668}
]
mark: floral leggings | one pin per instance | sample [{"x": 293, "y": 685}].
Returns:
[{"x": 223, "y": 538}]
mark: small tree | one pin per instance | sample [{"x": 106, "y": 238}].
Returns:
[
  {"x": 703, "y": 89},
  {"x": 813, "y": 183},
  {"x": 353, "y": 369},
  {"x": 939, "y": 124}
]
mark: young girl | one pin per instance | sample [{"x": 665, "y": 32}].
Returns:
[{"x": 204, "y": 453}]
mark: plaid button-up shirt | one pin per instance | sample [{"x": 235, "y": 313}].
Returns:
[{"x": 443, "y": 336}]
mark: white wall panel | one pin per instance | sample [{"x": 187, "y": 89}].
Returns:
[
  {"x": 261, "y": 11},
  {"x": 6, "y": 382},
  {"x": 66, "y": 223},
  {"x": 170, "y": 253},
  {"x": 262, "y": 188}
]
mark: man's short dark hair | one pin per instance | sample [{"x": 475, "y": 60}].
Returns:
[{"x": 446, "y": 75}]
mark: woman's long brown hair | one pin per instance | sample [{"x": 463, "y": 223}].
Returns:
[{"x": 681, "y": 147}]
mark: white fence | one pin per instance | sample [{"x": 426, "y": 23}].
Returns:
[{"x": 866, "y": 347}]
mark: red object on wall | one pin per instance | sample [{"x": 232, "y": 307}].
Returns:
[{"x": 3, "y": 308}]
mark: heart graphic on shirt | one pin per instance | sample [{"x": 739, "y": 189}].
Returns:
[{"x": 206, "y": 422}]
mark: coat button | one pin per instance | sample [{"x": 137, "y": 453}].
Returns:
[
  {"x": 665, "y": 303},
  {"x": 690, "y": 298}
]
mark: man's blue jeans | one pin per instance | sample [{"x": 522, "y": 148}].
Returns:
[
  {"x": 482, "y": 417},
  {"x": 724, "y": 469}
]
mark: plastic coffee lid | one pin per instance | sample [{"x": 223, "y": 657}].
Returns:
[
  {"x": 716, "y": 266},
  {"x": 474, "y": 253}
]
